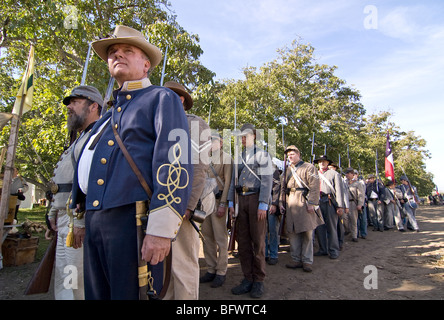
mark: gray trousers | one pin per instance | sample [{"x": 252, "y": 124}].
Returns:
[
  {"x": 376, "y": 214},
  {"x": 301, "y": 246},
  {"x": 410, "y": 215},
  {"x": 327, "y": 233}
]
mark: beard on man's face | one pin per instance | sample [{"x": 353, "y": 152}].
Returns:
[{"x": 76, "y": 121}]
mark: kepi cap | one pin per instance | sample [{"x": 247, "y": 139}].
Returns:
[
  {"x": 85, "y": 92},
  {"x": 248, "y": 128},
  {"x": 291, "y": 148}
]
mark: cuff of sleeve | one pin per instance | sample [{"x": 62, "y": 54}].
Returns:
[
  {"x": 79, "y": 223},
  {"x": 52, "y": 213},
  {"x": 163, "y": 223},
  {"x": 230, "y": 204},
  {"x": 263, "y": 206}
]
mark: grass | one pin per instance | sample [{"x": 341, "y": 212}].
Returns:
[{"x": 35, "y": 215}]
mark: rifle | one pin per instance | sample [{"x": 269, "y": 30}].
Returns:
[
  {"x": 231, "y": 244},
  {"x": 312, "y": 148},
  {"x": 284, "y": 201},
  {"x": 348, "y": 156},
  {"x": 41, "y": 279},
  {"x": 108, "y": 93},
  {"x": 377, "y": 172}
]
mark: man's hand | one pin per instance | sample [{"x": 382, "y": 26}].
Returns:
[
  {"x": 273, "y": 209},
  {"x": 155, "y": 249},
  {"x": 79, "y": 236},
  {"x": 261, "y": 214},
  {"x": 340, "y": 212},
  {"x": 221, "y": 211},
  {"x": 53, "y": 224},
  {"x": 310, "y": 208},
  {"x": 187, "y": 215}
]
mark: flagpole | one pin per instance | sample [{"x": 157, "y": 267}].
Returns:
[{"x": 9, "y": 165}]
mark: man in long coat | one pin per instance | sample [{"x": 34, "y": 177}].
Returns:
[{"x": 299, "y": 197}]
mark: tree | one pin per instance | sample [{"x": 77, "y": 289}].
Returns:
[
  {"x": 296, "y": 88},
  {"x": 61, "y": 32}
]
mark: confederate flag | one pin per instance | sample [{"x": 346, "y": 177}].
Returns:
[{"x": 389, "y": 166}]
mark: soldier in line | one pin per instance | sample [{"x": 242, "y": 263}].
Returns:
[
  {"x": 272, "y": 238},
  {"x": 214, "y": 227},
  {"x": 84, "y": 106},
  {"x": 255, "y": 183},
  {"x": 387, "y": 209},
  {"x": 356, "y": 201},
  {"x": 375, "y": 195},
  {"x": 408, "y": 203},
  {"x": 394, "y": 195},
  {"x": 184, "y": 284},
  {"x": 332, "y": 207},
  {"x": 362, "y": 215},
  {"x": 343, "y": 223},
  {"x": 111, "y": 186},
  {"x": 300, "y": 193}
]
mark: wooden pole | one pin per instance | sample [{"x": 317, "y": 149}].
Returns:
[
  {"x": 9, "y": 168},
  {"x": 9, "y": 165}
]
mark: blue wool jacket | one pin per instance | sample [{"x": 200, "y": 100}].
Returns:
[{"x": 153, "y": 126}]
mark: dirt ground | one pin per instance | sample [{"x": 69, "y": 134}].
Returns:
[{"x": 388, "y": 265}]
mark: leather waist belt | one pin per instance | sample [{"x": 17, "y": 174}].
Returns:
[
  {"x": 62, "y": 187},
  {"x": 296, "y": 189},
  {"x": 324, "y": 194},
  {"x": 244, "y": 190}
]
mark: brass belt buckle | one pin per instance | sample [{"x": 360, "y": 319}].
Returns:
[
  {"x": 54, "y": 188},
  {"x": 244, "y": 189}
]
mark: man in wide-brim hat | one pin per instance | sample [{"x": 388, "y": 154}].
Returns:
[
  {"x": 322, "y": 158},
  {"x": 130, "y": 42},
  {"x": 142, "y": 117},
  {"x": 299, "y": 195},
  {"x": 127, "y": 35}
]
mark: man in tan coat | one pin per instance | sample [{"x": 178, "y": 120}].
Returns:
[
  {"x": 214, "y": 228},
  {"x": 299, "y": 199}
]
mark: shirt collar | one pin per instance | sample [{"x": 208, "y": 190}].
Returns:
[{"x": 136, "y": 85}]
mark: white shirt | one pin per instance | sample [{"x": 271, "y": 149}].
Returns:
[{"x": 85, "y": 161}]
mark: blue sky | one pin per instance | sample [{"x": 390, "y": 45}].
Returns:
[{"x": 391, "y": 51}]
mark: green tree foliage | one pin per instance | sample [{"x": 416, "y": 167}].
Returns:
[{"x": 61, "y": 32}]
